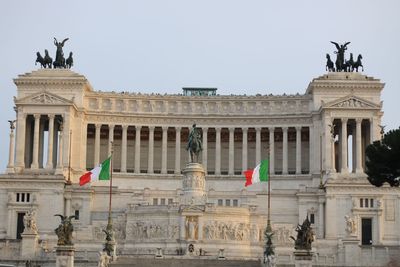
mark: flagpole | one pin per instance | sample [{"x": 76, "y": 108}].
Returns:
[
  {"x": 69, "y": 159},
  {"x": 269, "y": 253}
]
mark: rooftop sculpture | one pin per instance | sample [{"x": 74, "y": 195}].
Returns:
[
  {"x": 59, "y": 62},
  {"x": 341, "y": 64}
]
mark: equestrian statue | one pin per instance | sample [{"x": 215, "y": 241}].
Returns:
[{"x": 194, "y": 145}]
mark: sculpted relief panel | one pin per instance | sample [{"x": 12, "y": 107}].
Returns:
[
  {"x": 151, "y": 230},
  {"x": 217, "y": 230}
]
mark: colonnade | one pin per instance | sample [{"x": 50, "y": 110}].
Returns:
[
  {"x": 204, "y": 155},
  {"x": 30, "y": 143},
  {"x": 362, "y": 132}
]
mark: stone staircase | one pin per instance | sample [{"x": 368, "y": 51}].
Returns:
[{"x": 190, "y": 262}]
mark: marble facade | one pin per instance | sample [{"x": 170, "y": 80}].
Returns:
[{"x": 314, "y": 141}]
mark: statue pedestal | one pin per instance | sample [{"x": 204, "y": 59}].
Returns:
[
  {"x": 352, "y": 251},
  {"x": 194, "y": 184},
  {"x": 29, "y": 244},
  {"x": 65, "y": 256},
  {"x": 303, "y": 258}
]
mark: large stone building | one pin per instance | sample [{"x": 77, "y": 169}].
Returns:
[{"x": 315, "y": 143}]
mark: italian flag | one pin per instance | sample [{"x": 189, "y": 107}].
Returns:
[
  {"x": 259, "y": 174},
  {"x": 101, "y": 172}
]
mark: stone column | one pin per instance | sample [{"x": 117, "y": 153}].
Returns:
[
  {"x": 68, "y": 205},
  {"x": 124, "y": 147},
  {"x": 298, "y": 150},
  {"x": 97, "y": 145},
  {"x": 343, "y": 140},
  {"x": 285, "y": 151},
  {"x": 244, "y": 149},
  {"x": 200, "y": 228},
  {"x": 164, "y": 150},
  {"x": 204, "y": 153},
  {"x": 177, "y": 150},
  {"x": 49, "y": 164},
  {"x": 137, "y": 149},
  {"x": 332, "y": 145},
  {"x": 150, "y": 156},
  {"x": 35, "y": 156},
  {"x": 320, "y": 233},
  {"x": 231, "y": 151},
  {"x": 110, "y": 137},
  {"x": 60, "y": 164},
  {"x": 359, "y": 167},
  {"x": 258, "y": 145},
  {"x": 372, "y": 136},
  {"x": 10, "y": 166},
  {"x": 271, "y": 150},
  {"x": 182, "y": 228},
  {"x": 218, "y": 151},
  {"x": 20, "y": 144}
]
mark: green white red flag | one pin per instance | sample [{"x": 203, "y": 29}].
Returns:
[
  {"x": 100, "y": 172},
  {"x": 258, "y": 174}
]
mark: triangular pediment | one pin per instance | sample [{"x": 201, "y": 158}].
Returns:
[
  {"x": 351, "y": 102},
  {"x": 44, "y": 98}
]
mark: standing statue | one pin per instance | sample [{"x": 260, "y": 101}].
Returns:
[
  {"x": 59, "y": 62},
  {"x": 30, "y": 222},
  {"x": 351, "y": 226},
  {"x": 194, "y": 145},
  {"x": 64, "y": 230},
  {"x": 305, "y": 236},
  {"x": 340, "y": 62}
]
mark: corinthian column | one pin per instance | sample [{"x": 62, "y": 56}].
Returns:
[
  {"x": 218, "y": 151},
  {"x": 244, "y": 149},
  {"x": 231, "y": 151},
  {"x": 110, "y": 138},
  {"x": 10, "y": 166},
  {"x": 298, "y": 150},
  {"x": 258, "y": 145},
  {"x": 49, "y": 164},
  {"x": 271, "y": 150},
  {"x": 20, "y": 144},
  {"x": 164, "y": 150},
  {"x": 97, "y": 145},
  {"x": 35, "y": 156},
  {"x": 343, "y": 140},
  {"x": 359, "y": 168},
  {"x": 124, "y": 147},
  {"x": 204, "y": 153},
  {"x": 177, "y": 150},
  {"x": 285, "y": 151},
  {"x": 150, "y": 156},
  {"x": 137, "y": 149}
]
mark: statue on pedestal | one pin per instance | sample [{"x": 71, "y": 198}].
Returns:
[
  {"x": 305, "y": 236},
  {"x": 195, "y": 144},
  {"x": 351, "y": 226},
  {"x": 64, "y": 230},
  {"x": 30, "y": 222}
]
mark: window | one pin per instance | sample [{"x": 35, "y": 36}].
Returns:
[
  {"x": 312, "y": 218},
  {"x": 155, "y": 201},
  {"x": 361, "y": 203},
  {"x": 220, "y": 202},
  {"x": 162, "y": 201},
  {"x": 366, "y": 203},
  {"x": 227, "y": 202},
  {"x": 76, "y": 214},
  {"x": 170, "y": 201},
  {"x": 371, "y": 202},
  {"x": 23, "y": 197},
  {"x": 235, "y": 203}
]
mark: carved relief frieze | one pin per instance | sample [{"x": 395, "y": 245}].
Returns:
[
  {"x": 119, "y": 227},
  {"x": 151, "y": 230},
  {"x": 218, "y": 230},
  {"x": 282, "y": 233}
]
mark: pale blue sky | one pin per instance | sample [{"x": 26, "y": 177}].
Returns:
[{"x": 238, "y": 46}]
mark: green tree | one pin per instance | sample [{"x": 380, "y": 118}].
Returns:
[{"x": 383, "y": 160}]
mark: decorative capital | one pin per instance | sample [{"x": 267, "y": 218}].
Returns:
[{"x": 37, "y": 116}]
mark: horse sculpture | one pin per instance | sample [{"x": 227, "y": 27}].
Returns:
[
  {"x": 70, "y": 61},
  {"x": 350, "y": 63},
  {"x": 329, "y": 63},
  {"x": 47, "y": 59},
  {"x": 40, "y": 59},
  {"x": 194, "y": 145},
  {"x": 358, "y": 63}
]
